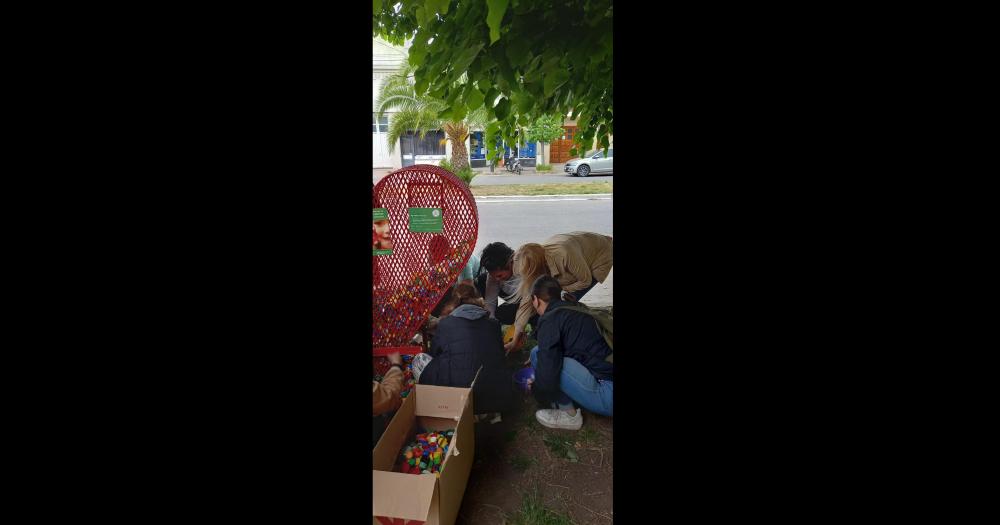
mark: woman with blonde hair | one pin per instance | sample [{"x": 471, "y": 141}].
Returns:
[{"x": 577, "y": 260}]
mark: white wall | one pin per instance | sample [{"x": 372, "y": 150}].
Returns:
[{"x": 386, "y": 59}]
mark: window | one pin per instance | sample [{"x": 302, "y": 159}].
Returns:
[
  {"x": 567, "y": 133},
  {"x": 380, "y": 125},
  {"x": 431, "y": 144}
]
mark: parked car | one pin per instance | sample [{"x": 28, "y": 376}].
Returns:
[{"x": 593, "y": 162}]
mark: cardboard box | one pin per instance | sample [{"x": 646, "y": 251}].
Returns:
[{"x": 426, "y": 499}]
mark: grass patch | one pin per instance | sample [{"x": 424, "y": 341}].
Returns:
[
  {"x": 534, "y": 512},
  {"x": 587, "y": 435},
  {"x": 531, "y": 424},
  {"x": 522, "y": 463},
  {"x": 543, "y": 167},
  {"x": 583, "y": 188},
  {"x": 561, "y": 446}
]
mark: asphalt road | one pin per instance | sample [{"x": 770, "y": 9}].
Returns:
[{"x": 516, "y": 223}]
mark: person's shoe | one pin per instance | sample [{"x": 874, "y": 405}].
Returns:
[{"x": 560, "y": 419}]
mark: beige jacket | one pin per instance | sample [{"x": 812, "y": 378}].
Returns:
[
  {"x": 385, "y": 395},
  {"x": 575, "y": 259}
]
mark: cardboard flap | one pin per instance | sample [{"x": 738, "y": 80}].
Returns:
[
  {"x": 387, "y": 449},
  {"x": 476, "y": 376},
  {"x": 397, "y": 495},
  {"x": 441, "y": 401},
  {"x": 457, "y": 466}
]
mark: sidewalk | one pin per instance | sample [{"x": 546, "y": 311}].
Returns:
[
  {"x": 603, "y": 293},
  {"x": 378, "y": 173}
]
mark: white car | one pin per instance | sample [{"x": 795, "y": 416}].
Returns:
[{"x": 593, "y": 162}]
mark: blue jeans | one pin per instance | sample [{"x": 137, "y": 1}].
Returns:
[{"x": 576, "y": 383}]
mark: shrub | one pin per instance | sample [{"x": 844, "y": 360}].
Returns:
[{"x": 466, "y": 174}]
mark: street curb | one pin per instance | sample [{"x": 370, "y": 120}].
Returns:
[{"x": 561, "y": 196}]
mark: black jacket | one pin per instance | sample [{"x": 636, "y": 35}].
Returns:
[
  {"x": 565, "y": 333},
  {"x": 464, "y": 341}
]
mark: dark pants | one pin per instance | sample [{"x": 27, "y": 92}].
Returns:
[
  {"x": 580, "y": 293},
  {"x": 507, "y": 313}
]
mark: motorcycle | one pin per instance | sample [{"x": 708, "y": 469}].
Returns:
[{"x": 514, "y": 166}]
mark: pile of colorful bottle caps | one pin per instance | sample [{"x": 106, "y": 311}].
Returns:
[
  {"x": 382, "y": 367},
  {"x": 426, "y": 454},
  {"x": 393, "y": 316}
]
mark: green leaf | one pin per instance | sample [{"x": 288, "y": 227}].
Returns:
[
  {"x": 417, "y": 55},
  {"x": 420, "y": 85},
  {"x": 523, "y": 101},
  {"x": 517, "y": 52},
  {"x": 376, "y": 6},
  {"x": 497, "y": 8},
  {"x": 502, "y": 109},
  {"x": 553, "y": 80},
  {"x": 462, "y": 61},
  {"x": 474, "y": 100},
  {"x": 458, "y": 113},
  {"x": 437, "y": 6},
  {"x": 491, "y": 97},
  {"x": 421, "y": 16},
  {"x": 571, "y": 454}
]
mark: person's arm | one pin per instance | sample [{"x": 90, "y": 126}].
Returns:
[
  {"x": 385, "y": 395},
  {"x": 492, "y": 296},
  {"x": 524, "y": 313}
]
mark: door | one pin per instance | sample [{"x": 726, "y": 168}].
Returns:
[
  {"x": 559, "y": 148},
  {"x": 602, "y": 164},
  {"x": 380, "y": 145}
]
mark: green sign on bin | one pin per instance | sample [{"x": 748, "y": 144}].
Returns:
[{"x": 426, "y": 220}]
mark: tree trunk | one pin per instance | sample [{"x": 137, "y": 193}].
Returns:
[
  {"x": 457, "y": 133},
  {"x": 459, "y": 155}
]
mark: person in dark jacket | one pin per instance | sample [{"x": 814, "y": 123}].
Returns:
[
  {"x": 464, "y": 341},
  {"x": 569, "y": 361}
]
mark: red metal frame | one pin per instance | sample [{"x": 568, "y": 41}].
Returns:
[{"x": 409, "y": 283}]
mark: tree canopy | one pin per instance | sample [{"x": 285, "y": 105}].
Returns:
[{"x": 524, "y": 59}]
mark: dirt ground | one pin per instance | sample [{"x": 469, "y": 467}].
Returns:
[{"x": 526, "y": 474}]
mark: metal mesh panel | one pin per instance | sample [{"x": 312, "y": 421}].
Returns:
[{"x": 409, "y": 283}]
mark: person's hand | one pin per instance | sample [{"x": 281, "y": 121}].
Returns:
[
  {"x": 530, "y": 382},
  {"x": 395, "y": 359},
  {"x": 515, "y": 344}
]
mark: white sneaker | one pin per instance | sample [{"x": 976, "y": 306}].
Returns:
[{"x": 560, "y": 419}]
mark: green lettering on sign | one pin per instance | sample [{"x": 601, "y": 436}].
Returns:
[
  {"x": 380, "y": 214},
  {"x": 426, "y": 220}
]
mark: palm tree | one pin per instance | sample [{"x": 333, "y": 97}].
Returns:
[{"x": 420, "y": 114}]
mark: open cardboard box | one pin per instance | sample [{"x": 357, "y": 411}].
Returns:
[{"x": 427, "y": 499}]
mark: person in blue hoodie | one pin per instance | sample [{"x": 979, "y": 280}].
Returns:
[
  {"x": 465, "y": 340},
  {"x": 570, "y": 361}
]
